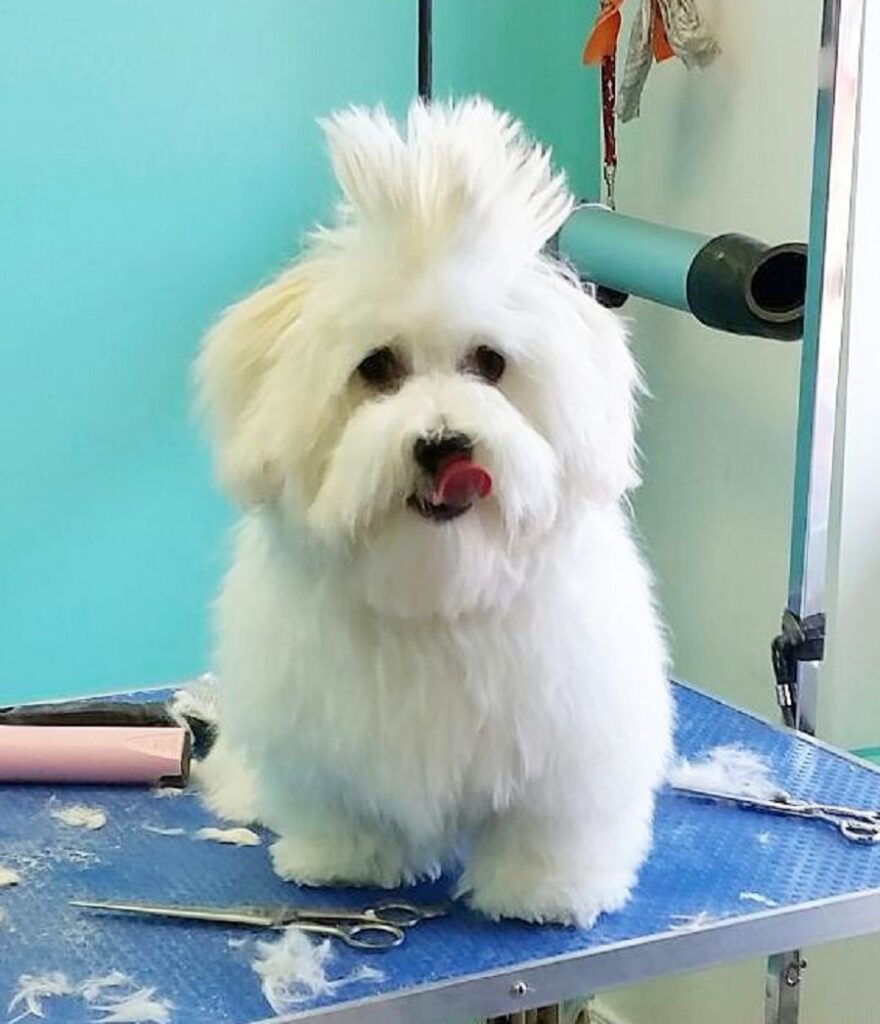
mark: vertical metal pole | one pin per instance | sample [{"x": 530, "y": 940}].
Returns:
[
  {"x": 825, "y": 325},
  {"x": 782, "y": 994},
  {"x": 824, "y": 321},
  {"x": 426, "y": 45}
]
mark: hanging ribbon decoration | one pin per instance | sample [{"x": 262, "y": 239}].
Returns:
[
  {"x": 661, "y": 29},
  {"x": 601, "y": 48}
]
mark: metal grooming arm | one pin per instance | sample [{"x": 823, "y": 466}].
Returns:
[{"x": 730, "y": 282}]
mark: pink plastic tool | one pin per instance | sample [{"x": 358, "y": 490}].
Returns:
[{"x": 107, "y": 754}]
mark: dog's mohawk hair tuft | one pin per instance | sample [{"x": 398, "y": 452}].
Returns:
[{"x": 457, "y": 177}]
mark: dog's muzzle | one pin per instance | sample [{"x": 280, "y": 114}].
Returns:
[{"x": 455, "y": 481}]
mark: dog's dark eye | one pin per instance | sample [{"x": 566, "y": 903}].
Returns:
[
  {"x": 381, "y": 369},
  {"x": 487, "y": 363}
]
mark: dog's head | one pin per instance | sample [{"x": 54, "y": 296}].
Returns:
[{"x": 426, "y": 391}]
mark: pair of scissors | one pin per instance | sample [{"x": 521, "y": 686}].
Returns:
[
  {"x": 375, "y": 928},
  {"x": 858, "y": 824}
]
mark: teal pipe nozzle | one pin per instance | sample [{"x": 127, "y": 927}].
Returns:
[{"x": 730, "y": 282}]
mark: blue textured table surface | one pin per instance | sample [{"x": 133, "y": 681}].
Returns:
[{"x": 705, "y": 857}]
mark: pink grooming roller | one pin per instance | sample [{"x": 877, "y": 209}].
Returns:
[{"x": 93, "y": 742}]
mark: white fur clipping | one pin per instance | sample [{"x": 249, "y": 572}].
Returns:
[
  {"x": 33, "y": 989},
  {"x": 758, "y": 897},
  {"x": 157, "y": 830},
  {"x": 689, "y": 922},
  {"x": 230, "y": 836},
  {"x": 80, "y": 816},
  {"x": 8, "y": 876},
  {"x": 294, "y": 969},
  {"x": 93, "y": 988},
  {"x": 140, "y": 1007},
  {"x": 728, "y": 770}
]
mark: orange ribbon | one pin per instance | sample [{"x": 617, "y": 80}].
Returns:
[
  {"x": 662, "y": 49},
  {"x": 602, "y": 41}
]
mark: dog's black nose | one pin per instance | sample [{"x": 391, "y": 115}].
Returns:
[{"x": 429, "y": 452}]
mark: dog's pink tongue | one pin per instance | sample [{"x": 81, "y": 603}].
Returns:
[{"x": 459, "y": 482}]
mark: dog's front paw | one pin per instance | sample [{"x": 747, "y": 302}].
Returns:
[
  {"x": 509, "y": 887},
  {"x": 343, "y": 858},
  {"x": 227, "y": 785}
]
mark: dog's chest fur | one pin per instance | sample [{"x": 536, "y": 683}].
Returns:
[{"x": 415, "y": 720}]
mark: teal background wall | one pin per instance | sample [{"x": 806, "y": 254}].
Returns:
[
  {"x": 157, "y": 160},
  {"x": 526, "y": 56}
]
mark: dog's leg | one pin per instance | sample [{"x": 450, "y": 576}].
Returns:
[
  {"x": 227, "y": 784},
  {"x": 316, "y": 847},
  {"x": 324, "y": 847},
  {"x": 539, "y": 867}
]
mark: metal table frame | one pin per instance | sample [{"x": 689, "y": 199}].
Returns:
[{"x": 822, "y": 380}]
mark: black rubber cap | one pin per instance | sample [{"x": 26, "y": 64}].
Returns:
[
  {"x": 743, "y": 286},
  {"x": 610, "y": 298}
]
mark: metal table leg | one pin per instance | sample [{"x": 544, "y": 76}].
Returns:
[
  {"x": 543, "y": 1015},
  {"x": 782, "y": 1000}
]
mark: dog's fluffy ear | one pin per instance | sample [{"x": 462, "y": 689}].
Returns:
[
  {"x": 595, "y": 382},
  {"x": 231, "y": 378},
  {"x": 613, "y": 453}
]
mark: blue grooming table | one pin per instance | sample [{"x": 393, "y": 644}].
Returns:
[{"x": 689, "y": 910}]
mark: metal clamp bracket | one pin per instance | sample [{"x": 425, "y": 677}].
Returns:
[{"x": 801, "y": 639}]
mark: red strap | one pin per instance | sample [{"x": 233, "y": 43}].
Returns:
[
  {"x": 601, "y": 48},
  {"x": 609, "y": 90}
]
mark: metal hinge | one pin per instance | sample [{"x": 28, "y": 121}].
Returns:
[{"x": 801, "y": 639}]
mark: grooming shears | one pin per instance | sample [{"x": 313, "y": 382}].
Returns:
[
  {"x": 858, "y": 824},
  {"x": 376, "y": 928}
]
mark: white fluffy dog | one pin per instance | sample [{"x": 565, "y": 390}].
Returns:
[{"x": 437, "y": 638}]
